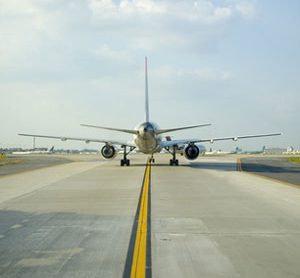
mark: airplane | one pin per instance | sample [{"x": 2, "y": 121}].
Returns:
[
  {"x": 36, "y": 151},
  {"x": 147, "y": 138}
]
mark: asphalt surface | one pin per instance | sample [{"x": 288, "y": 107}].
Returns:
[
  {"x": 273, "y": 167},
  {"x": 207, "y": 220},
  {"x": 31, "y": 162}
]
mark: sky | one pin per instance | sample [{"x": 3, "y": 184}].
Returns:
[{"x": 232, "y": 63}]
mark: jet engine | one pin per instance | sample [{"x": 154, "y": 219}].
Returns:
[
  {"x": 109, "y": 151},
  {"x": 191, "y": 152}
]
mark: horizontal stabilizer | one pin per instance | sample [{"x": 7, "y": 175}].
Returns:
[
  {"x": 131, "y": 131},
  {"x": 160, "y": 131}
]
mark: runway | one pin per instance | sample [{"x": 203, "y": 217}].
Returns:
[
  {"x": 207, "y": 220},
  {"x": 25, "y": 163}
]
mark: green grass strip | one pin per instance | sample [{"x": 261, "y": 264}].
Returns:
[{"x": 294, "y": 159}]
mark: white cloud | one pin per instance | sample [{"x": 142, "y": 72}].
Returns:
[
  {"x": 108, "y": 9},
  {"x": 202, "y": 11},
  {"x": 31, "y": 28},
  {"x": 142, "y": 6},
  {"x": 15, "y": 7},
  {"x": 199, "y": 11},
  {"x": 245, "y": 9},
  {"x": 153, "y": 25}
]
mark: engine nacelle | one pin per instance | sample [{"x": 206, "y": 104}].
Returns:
[
  {"x": 109, "y": 151},
  {"x": 191, "y": 152}
]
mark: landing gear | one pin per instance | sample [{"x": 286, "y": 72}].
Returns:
[
  {"x": 151, "y": 159},
  {"x": 173, "y": 161},
  {"x": 126, "y": 161}
]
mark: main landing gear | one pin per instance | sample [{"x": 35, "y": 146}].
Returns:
[
  {"x": 173, "y": 161},
  {"x": 125, "y": 161}
]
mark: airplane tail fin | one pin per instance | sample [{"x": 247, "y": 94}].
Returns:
[{"x": 146, "y": 92}]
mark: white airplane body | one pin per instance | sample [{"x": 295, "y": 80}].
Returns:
[
  {"x": 147, "y": 138},
  {"x": 35, "y": 151}
]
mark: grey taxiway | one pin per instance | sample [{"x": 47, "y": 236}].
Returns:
[{"x": 207, "y": 220}]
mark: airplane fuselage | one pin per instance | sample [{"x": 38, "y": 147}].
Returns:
[{"x": 146, "y": 139}]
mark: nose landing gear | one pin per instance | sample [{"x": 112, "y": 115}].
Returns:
[{"x": 152, "y": 159}]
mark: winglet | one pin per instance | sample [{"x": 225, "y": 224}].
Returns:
[{"x": 146, "y": 91}]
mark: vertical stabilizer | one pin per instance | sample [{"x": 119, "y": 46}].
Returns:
[{"x": 146, "y": 91}]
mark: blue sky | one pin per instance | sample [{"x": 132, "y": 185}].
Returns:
[{"x": 233, "y": 63}]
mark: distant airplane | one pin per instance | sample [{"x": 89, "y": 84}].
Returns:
[
  {"x": 51, "y": 150},
  {"x": 36, "y": 151},
  {"x": 147, "y": 138}
]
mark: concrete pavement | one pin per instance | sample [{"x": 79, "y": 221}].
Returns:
[{"x": 208, "y": 220}]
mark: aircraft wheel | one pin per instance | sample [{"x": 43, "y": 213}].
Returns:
[
  {"x": 174, "y": 162},
  {"x": 125, "y": 162}
]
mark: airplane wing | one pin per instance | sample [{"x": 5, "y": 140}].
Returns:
[
  {"x": 236, "y": 138},
  {"x": 86, "y": 140},
  {"x": 171, "y": 143}
]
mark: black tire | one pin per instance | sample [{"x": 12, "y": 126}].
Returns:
[{"x": 174, "y": 162}]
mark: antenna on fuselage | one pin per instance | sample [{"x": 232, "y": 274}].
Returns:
[{"x": 146, "y": 91}]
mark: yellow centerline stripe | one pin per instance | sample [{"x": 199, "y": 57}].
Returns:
[{"x": 138, "y": 268}]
